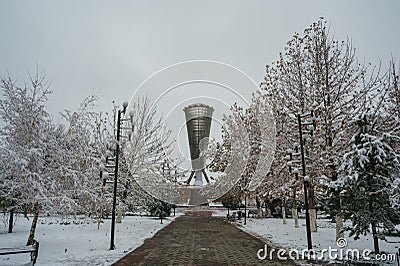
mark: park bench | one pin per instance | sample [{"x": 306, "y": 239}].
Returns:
[
  {"x": 33, "y": 250},
  {"x": 253, "y": 213},
  {"x": 231, "y": 217}
]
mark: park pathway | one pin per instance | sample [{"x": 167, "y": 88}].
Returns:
[{"x": 197, "y": 238}]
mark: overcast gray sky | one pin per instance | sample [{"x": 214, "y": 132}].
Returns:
[{"x": 111, "y": 47}]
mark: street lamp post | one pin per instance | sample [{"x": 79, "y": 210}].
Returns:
[
  {"x": 120, "y": 112},
  {"x": 175, "y": 180},
  {"x": 305, "y": 177},
  {"x": 245, "y": 207},
  {"x": 104, "y": 174},
  {"x": 164, "y": 166},
  {"x": 308, "y": 225}
]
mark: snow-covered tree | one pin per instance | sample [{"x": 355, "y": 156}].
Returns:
[
  {"x": 76, "y": 169},
  {"x": 144, "y": 151},
  {"x": 248, "y": 133},
  {"x": 391, "y": 102},
  {"x": 46, "y": 167},
  {"x": 390, "y": 121},
  {"x": 27, "y": 134},
  {"x": 366, "y": 175},
  {"x": 316, "y": 72}
]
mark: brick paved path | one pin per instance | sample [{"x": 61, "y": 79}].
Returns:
[{"x": 199, "y": 239}]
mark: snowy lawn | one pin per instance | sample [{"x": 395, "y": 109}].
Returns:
[
  {"x": 289, "y": 237},
  {"x": 79, "y": 244}
]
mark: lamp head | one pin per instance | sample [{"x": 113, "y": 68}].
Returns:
[
  {"x": 114, "y": 147},
  {"x": 124, "y": 105},
  {"x": 108, "y": 153},
  {"x": 105, "y": 175}
]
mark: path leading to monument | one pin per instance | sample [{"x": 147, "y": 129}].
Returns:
[{"x": 197, "y": 238}]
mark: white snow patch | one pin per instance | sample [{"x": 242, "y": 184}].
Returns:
[
  {"x": 288, "y": 237},
  {"x": 79, "y": 244}
]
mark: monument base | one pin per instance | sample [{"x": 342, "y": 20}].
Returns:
[{"x": 190, "y": 196}]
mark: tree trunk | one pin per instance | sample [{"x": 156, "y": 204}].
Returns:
[
  {"x": 339, "y": 218},
  {"x": 268, "y": 207},
  {"x": 375, "y": 236},
  {"x": 312, "y": 210},
  {"x": 33, "y": 225},
  {"x": 25, "y": 212},
  {"x": 11, "y": 221},
  {"x": 119, "y": 214},
  {"x": 283, "y": 214},
  {"x": 99, "y": 219},
  {"x": 374, "y": 232},
  {"x": 259, "y": 210},
  {"x": 294, "y": 209},
  {"x": 339, "y": 227},
  {"x": 284, "y": 210},
  {"x": 100, "y": 216},
  {"x": 313, "y": 220},
  {"x": 337, "y": 205},
  {"x": 296, "y": 218}
]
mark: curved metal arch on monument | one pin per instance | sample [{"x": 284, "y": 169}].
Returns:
[{"x": 201, "y": 187}]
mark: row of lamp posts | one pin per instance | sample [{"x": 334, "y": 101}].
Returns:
[{"x": 104, "y": 174}]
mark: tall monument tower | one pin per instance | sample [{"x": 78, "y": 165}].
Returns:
[{"x": 198, "y": 124}]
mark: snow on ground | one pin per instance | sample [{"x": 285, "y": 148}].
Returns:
[
  {"x": 289, "y": 237},
  {"x": 79, "y": 244},
  {"x": 220, "y": 212}
]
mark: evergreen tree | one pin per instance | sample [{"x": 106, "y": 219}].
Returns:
[{"x": 367, "y": 173}]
